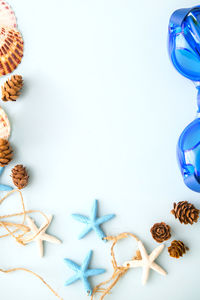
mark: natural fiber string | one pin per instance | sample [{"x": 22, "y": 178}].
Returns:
[
  {"x": 20, "y": 226},
  {"x": 119, "y": 271},
  {"x": 25, "y": 229},
  {"x": 30, "y": 239},
  {"x": 3, "y": 224},
  {"x": 36, "y": 275}
]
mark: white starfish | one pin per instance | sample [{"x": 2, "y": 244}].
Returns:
[
  {"x": 42, "y": 236},
  {"x": 147, "y": 261}
]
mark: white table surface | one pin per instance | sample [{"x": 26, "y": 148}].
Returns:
[{"x": 100, "y": 117}]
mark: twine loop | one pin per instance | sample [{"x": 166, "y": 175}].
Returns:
[
  {"x": 119, "y": 271},
  {"x": 22, "y": 237}
]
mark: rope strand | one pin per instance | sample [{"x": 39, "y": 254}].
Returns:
[
  {"x": 20, "y": 238},
  {"x": 119, "y": 271},
  {"x": 36, "y": 275}
]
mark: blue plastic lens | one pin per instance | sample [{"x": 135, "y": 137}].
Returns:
[
  {"x": 184, "y": 51},
  {"x": 184, "y": 43},
  {"x": 188, "y": 151}
]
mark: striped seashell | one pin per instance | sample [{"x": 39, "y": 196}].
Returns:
[
  {"x": 11, "y": 49},
  {"x": 7, "y": 15},
  {"x": 4, "y": 125}
]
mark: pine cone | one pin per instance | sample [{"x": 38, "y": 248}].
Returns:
[
  {"x": 177, "y": 249},
  {"x": 6, "y": 153},
  {"x": 160, "y": 232},
  {"x": 20, "y": 176},
  {"x": 185, "y": 212},
  {"x": 11, "y": 88}
]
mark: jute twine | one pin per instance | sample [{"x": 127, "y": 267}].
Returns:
[
  {"x": 36, "y": 275},
  {"x": 20, "y": 231},
  {"x": 119, "y": 271},
  {"x": 22, "y": 226}
]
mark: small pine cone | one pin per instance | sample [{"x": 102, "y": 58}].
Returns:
[
  {"x": 160, "y": 232},
  {"x": 11, "y": 88},
  {"x": 6, "y": 153},
  {"x": 185, "y": 212},
  {"x": 20, "y": 176},
  {"x": 177, "y": 249}
]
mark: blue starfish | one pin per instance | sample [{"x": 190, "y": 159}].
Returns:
[
  {"x": 93, "y": 223},
  {"x": 4, "y": 187},
  {"x": 82, "y": 272}
]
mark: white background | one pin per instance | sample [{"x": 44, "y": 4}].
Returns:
[{"x": 99, "y": 117}]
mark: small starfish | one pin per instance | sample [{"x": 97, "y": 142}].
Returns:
[
  {"x": 3, "y": 187},
  {"x": 93, "y": 223},
  {"x": 147, "y": 261},
  {"x": 42, "y": 236},
  {"x": 82, "y": 272}
]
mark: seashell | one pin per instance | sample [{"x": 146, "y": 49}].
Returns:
[
  {"x": 4, "y": 125},
  {"x": 7, "y": 15},
  {"x": 11, "y": 49}
]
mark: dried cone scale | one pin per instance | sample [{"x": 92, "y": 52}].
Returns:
[
  {"x": 160, "y": 232},
  {"x": 20, "y": 176},
  {"x": 177, "y": 249},
  {"x": 6, "y": 152},
  {"x": 11, "y": 88},
  {"x": 186, "y": 212}
]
